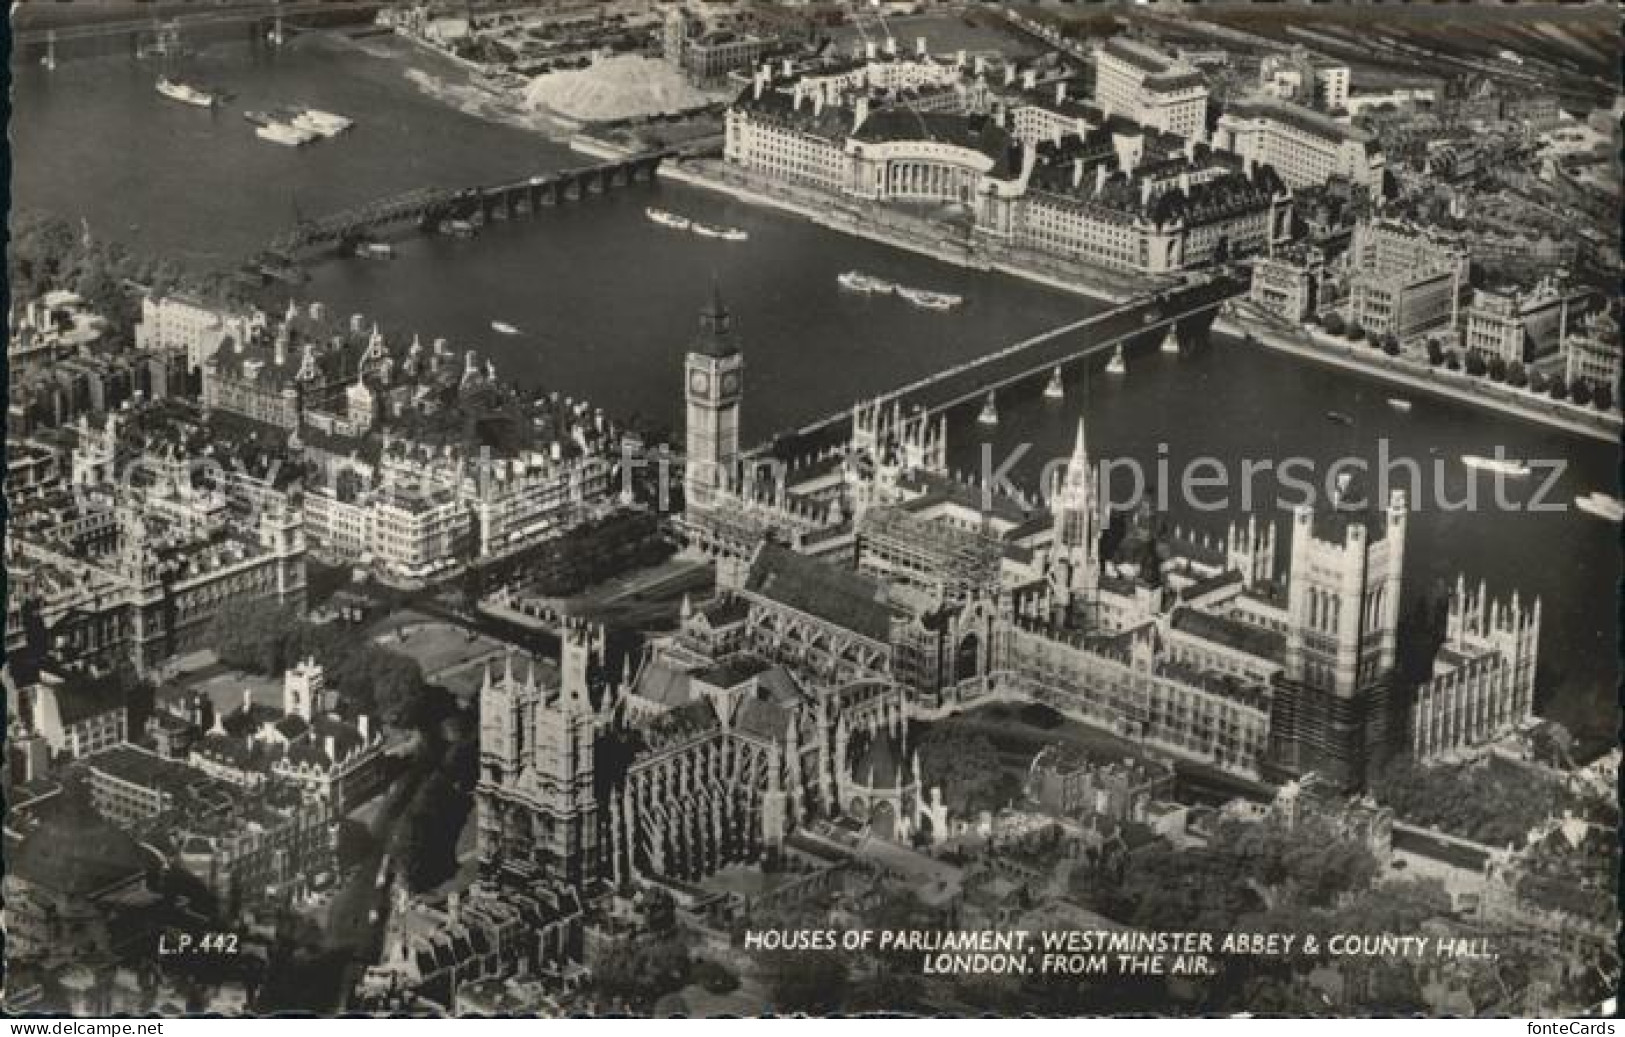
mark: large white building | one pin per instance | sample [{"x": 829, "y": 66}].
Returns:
[
  {"x": 1142, "y": 83},
  {"x": 1305, "y": 146},
  {"x": 182, "y": 324},
  {"x": 1035, "y": 168}
]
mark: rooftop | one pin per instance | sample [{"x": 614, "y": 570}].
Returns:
[{"x": 840, "y": 597}]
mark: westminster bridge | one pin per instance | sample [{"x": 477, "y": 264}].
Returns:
[{"x": 1187, "y": 312}]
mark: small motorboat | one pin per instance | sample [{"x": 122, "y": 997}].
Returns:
[
  {"x": 1602, "y": 505},
  {"x": 1498, "y": 465},
  {"x": 503, "y": 328},
  {"x": 1056, "y": 389},
  {"x": 375, "y": 250},
  {"x": 1400, "y": 404},
  {"x": 990, "y": 412},
  {"x": 1117, "y": 365},
  {"x": 1340, "y": 417},
  {"x": 1170, "y": 341},
  {"x": 734, "y": 234},
  {"x": 668, "y": 219}
]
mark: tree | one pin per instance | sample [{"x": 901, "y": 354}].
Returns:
[
  {"x": 1602, "y": 398},
  {"x": 1498, "y": 369},
  {"x": 249, "y": 635},
  {"x": 640, "y": 971},
  {"x": 426, "y": 840},
  {"x": 1537, "y": 381},
  {"x": 1581, "y": 393},
  {"x": 966, "y": 766},
  {"x": 1356, "y": 331},
  {"x": 1475, "y": 363},
  {"x": 1435, "y": 352},
  {"x": 1517, "y": 375},
  {"x": 1334, "y": 323},
  {"x": 813, "y": 982},
  {"x": 1452, "y": 362},
  {"x": 1390, "y": 344},
  {"x": 1559, "y": 389}
]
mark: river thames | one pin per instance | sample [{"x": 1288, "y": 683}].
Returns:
[{"x": 605, "y": 302}]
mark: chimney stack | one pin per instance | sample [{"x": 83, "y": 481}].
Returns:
[
  {"x": 1029, "y": 79},
  {"x": 1077, "y": 171},
  {"x": 919, "y": 46},
  {"x": 1060, "y": 93},
  {"x": 869, "y": 50},
  {"x": 1100, "y": 177},
  {"x": 891, "y": 46}
]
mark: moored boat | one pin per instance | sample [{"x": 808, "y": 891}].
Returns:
[
  {"x": 282, "y": 133},
  {"x": 1170, "y": 341},
  {"x": 1400, "y": 404},
  {"x": 1339, "y": 417},
  {"x": 325, "y": 123},
  {"x": 503, "y": 328},
  {"x": 734, "y": 234},
  {"x": 375, "y": 250},
  {"x": 1498, "y": 465},
  {"x": 1056, "y": 389},
  {"x": 1117, "y": 365},
  {"x": 705, "y": 230},
  {"x": 990, "y": 412},
  {"x": 1602, "y": 505}
]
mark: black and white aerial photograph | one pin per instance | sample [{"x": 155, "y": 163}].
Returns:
[{"x": 835, "y": 508}]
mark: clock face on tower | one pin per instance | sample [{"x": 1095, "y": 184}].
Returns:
[
  {"x": 730, "y": 382},
  {"x": 699, "y": 381}
]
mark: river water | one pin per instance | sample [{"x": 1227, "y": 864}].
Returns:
[{"x": 606, "y": 302}]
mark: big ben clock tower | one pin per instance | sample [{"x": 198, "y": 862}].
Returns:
[{"x": 714, "y": 375}]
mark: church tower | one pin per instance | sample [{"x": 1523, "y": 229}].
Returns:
[
  {"x": 565, "y": 812},
  {"x": 1074, "y": 561},
  {"x": 714, "y": 376},
  {"x": 1342, "y": 630}
]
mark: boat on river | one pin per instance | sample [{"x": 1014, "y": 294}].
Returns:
[
  {"x": 668, "y": 219},
  {"x": 1498, "y": 465},
  {"x": 1601, "y": 505},
  {"x": 503, "y": 328},
  {"x": 856, "y": 281},
  {"x": 185, "y": 93},
  {"x": 929, "y": 300}
]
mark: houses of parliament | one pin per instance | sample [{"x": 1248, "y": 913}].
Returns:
[{"x": 866, "y": 590}]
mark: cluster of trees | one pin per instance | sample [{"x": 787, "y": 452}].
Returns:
[
  {"x": 966, "y": 766},
  {"x": 1245, "y": 869},
  {"x": 249, "y": 635},
  {"x": 1478, "y": 365},
  {"x": 1495, "y": 803},
  {"x": 1515, "y": 374},
  {"x": 48, "y": 253}
]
